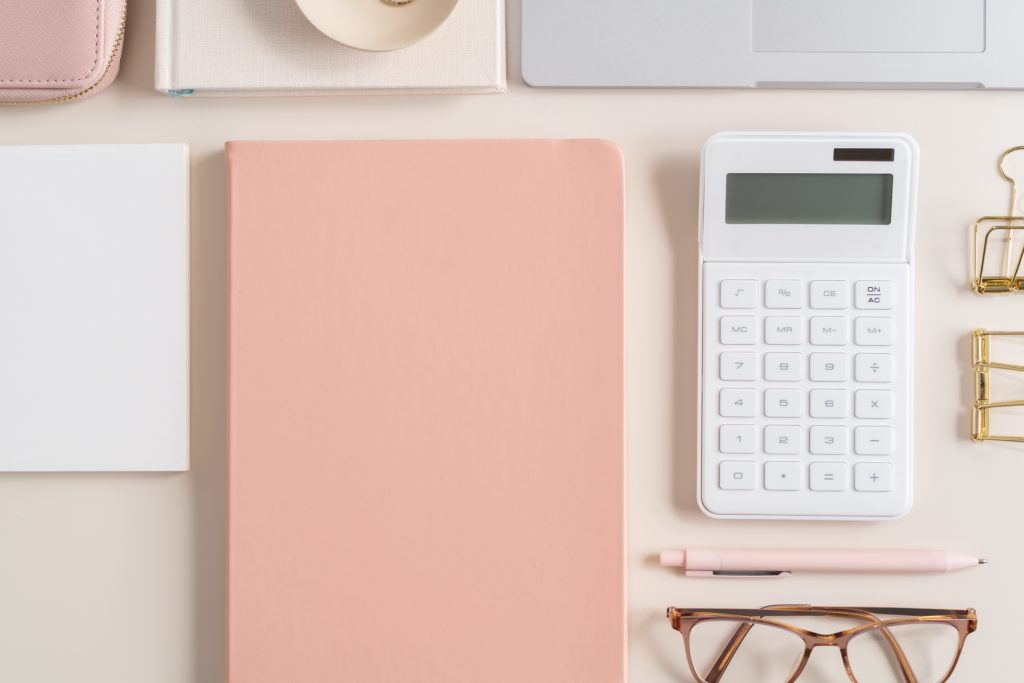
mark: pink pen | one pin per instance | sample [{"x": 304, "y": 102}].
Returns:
[{"x": 775, "y": 563}]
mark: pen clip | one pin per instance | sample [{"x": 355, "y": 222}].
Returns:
[{"x": 721, "y": 573}]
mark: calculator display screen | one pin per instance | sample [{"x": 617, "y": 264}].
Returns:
[{"x": 809, "y": 198}]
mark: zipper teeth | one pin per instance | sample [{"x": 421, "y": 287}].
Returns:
[{"x": 118, "y": 43}]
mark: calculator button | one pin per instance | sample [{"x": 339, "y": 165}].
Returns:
[
  {"x": 872, "y": 476},
  {"x": 873, "y": 331},
  {"x": 829, "y": 440},
  {"x": 873, "y": 405},
  {"x": 828, "y": 404},
  {"x": 872, "y": 440},
  {"x": 782, "y": 330},
  {"x": 738, "y": 329},
  {"x": 736, "y": 439},
  {"x": 736, "y": 475},
  {"x": 782, "y": 440},
  {"x": 828, "y": 367},
  {"x": 829, "y": 294},
  {"x": 828, "y": 331},
  {"x": 782, "y": 367},
  {"x": 873, "y": 294},
  {"x": 873, "y": 367},
  {"x": 782, "y": 403},
  {"x": 737, "y": 366},
  {"x": 738, "y": 294},
  {"x": 828, "y": 476},
  {"x": 737, "y": 402},
  {"x": 782, "y": 476},
  {"x": 783, "y": 294}
]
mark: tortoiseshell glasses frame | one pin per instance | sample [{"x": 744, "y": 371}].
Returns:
[{"x": 683, "y": 620}]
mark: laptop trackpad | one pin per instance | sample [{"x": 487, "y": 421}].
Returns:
[{"x": 869, "y": 25}]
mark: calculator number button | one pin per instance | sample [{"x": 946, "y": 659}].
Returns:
[
  {"x": 873, "y": 367},
  {"x": 736, "y": 439},
  {"x": 828, "y": 476},
  {"x": 737, "y": 475},
  {"x": 873, "y": 331},
  {"x": 782, "y": 403},
  {"x": 828, "y": 367},
  {"x": 782, "y": 330},
  {"x": 873, "y": 405},
  {"x": 782, "y": 440},
  {"x": 738, "y": 294},
  {"x": 782, "y": 476},
  {"x": 738, "y": 329},
  {"x": 872, "y": 476},
  {"x": 873, "y": 294},
  {"x": 872, "y": 440},
  {"x": 829, "y": 440},
  {"x": 828, "y": 404},
  {"x": 737, "y": 402},
  {"x": 829, "y": 331},
  {"x": 782, "y": 367},
  {"x": 783, "y": 294},
  {"x": 827, "y": 294},
  {"x": 736, "y": 366}
]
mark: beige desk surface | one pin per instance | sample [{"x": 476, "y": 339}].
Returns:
[{"x": 121, "y": 578}]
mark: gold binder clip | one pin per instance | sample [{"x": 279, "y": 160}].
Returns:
[
  {"x": 993, "y": 229},
  {"x": 983, "y": 403}
]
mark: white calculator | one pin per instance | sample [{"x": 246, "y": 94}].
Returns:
[{"x": 806, "y": 309}]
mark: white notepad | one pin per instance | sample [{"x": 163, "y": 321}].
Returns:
[
  {"x": 267, "y": 47},
  {"x": 94, "y": 308}
]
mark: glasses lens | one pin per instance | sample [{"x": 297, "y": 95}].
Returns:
[
  {"x": 928, "y": 649},
  {"x": 766, "y": 654}
]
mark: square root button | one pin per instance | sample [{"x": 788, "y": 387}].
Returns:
[
  {"x": 736, "y": 475},
  {"x": 828, "y": 476},
  {"x": 872, "y": 476}
]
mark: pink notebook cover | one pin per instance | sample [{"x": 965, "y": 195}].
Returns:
[{"x": 426, "y": 412}]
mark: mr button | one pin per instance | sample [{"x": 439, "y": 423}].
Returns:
[{"x": 874, "y": 294}]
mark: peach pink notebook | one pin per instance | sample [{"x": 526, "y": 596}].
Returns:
[{"x": 426, "y": 412}]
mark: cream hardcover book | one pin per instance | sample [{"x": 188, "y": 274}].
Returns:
[{"x": 267, "y": 47}]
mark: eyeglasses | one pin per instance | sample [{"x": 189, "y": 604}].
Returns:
[{"x": 743, "y": 645}]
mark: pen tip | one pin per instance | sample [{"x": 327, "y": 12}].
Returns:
[{"x": 983, "y": 561}]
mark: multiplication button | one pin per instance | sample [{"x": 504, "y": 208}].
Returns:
[{"x": 873, "y": 405}]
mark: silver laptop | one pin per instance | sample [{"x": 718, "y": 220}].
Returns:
[{"x": 774, "y": 43}]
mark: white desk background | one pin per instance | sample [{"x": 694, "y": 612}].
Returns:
[{"x": 121, "y": 578}]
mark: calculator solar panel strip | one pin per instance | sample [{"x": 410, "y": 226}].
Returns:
[
  {"x": 965, "y": 44},
  {"x": 806, "y": 338}
]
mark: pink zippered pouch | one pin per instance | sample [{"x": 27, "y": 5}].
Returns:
[{"x": 55, "y": 51}]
